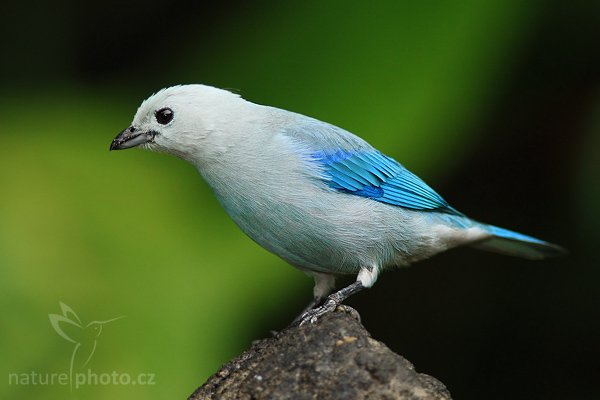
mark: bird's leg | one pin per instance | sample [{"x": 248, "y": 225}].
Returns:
[
  {"x": 333, "y": 300},
  {"x": 324, "y": 284},
  {"x": 365, "y": 279},
  {"x": 313, "y": 303}
]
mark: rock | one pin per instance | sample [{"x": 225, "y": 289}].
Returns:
[{"x": 335, "y": 358}]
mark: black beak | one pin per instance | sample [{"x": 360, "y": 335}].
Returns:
[{"x": 130, "y": 137}]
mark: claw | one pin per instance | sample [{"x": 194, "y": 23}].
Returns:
[
  {"x": 311, "y": 316},
  {"x": 333, "y": 300}
]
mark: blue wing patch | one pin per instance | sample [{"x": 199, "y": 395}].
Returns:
[{"x": 368, "y": 173}]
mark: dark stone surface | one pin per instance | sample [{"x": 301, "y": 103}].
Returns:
[{"x": 335, "y": 358}]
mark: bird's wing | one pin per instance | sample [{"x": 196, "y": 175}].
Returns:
[
  {"x": 369, "y": 173},
  {"x": 351, "y": 165}
]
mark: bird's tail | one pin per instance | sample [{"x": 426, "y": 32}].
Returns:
[{"x": 516, "y": 244}]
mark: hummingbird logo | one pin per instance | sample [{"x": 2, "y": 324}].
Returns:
[{"x": 83, "y": 336}]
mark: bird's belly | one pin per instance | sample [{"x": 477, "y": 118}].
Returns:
[
  {"x": 301, "y": 238},
  {"x": 337, "y": 233}
]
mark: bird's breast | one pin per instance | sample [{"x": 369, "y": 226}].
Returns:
[{"x": 278, "y": 199}]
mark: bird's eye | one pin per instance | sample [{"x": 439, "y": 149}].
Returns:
[{"x": 164, "y": 116}]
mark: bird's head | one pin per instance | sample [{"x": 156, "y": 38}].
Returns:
[{"x": 181, "y": 120}]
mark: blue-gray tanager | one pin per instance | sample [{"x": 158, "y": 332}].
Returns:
[{"x": 316, "y": 195}]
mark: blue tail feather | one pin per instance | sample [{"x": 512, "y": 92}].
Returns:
[{"x": 516, "y": 244}]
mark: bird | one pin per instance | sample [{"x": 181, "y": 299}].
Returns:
[{"x": 316, "y": 195}]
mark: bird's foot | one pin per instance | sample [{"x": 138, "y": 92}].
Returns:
[
  {"x": 331, "y": 303},
  {"x": 311, "y": 316},
  {"x": 314, "y": 302}
]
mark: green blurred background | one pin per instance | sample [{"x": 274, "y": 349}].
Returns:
[{"x": 496, "y": 104}]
